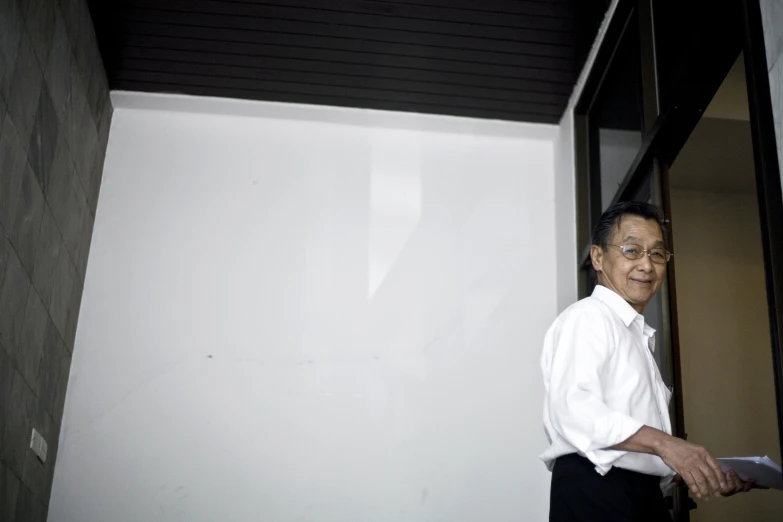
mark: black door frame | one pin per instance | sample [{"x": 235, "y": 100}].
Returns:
[
  {"x": 737, "y": 29},
  {"x": 768, "y": 183}
]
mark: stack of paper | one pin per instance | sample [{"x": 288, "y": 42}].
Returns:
[{"x": 767, "y": 473}]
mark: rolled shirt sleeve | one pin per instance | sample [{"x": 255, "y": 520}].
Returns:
[{"x": 582, "y": 345}]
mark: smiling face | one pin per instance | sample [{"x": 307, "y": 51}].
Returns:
[{"x": 636, "y": 281}]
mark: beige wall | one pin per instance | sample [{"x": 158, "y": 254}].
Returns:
[{"x": 728, "y": 387}]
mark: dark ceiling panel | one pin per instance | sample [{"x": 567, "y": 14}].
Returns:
[
  {"x": 501, "y": 59},
  {"x": 403, "y": 70},
  {"x": 347, "y": 25},
  {"x": 343, "y": 61},
  {"x": 368, "y": 83},
  {"x": 377, "y": 47}
]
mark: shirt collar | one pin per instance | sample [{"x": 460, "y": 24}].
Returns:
[
  {"x": 626, "y": 312},
  {"x": 616, "y": 303}
]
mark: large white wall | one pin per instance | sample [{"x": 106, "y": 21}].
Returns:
[{"x": 308, "y": 313}]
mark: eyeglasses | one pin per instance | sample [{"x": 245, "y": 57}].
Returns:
[{"x": 633, "y": 252}]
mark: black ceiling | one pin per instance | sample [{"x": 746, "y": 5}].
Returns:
[{"x": 500, "y": 59}]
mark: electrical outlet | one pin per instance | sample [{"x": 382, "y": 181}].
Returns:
[{"x": 38, "y": 445}]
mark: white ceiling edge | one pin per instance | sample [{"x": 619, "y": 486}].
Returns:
[
  {"x": 331, "y": 114},
  {"x": 590, "y": 61}
]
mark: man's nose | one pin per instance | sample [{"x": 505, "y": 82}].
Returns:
[{"x": 645, "y": 263}]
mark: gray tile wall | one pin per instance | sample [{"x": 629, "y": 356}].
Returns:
[
  {"x": 55, "y": 115},
  {"x": 772, "y": 18}
]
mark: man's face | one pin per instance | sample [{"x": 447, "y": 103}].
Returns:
[{"x": 636, "y": 281}]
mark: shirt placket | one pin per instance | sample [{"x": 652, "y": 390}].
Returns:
[{"x": 657, "y": 382}]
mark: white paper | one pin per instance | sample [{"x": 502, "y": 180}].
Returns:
[{"x": 766, "y": 472}]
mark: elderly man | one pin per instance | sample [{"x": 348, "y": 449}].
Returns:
[{"x": 606, "y": 411}]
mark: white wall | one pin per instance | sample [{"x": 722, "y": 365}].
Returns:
[{"x": 309, "y": 313}]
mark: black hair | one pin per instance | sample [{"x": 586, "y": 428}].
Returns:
[{"x": 612, "y": 217}]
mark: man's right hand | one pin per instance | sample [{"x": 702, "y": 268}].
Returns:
[{"x": 700, "y": 471}]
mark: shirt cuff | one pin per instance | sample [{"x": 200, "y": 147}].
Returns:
[
  {"x": 619, "y": 429},
  {"x": 604, "y": 459},
  {"x": 615, "y": 429}
]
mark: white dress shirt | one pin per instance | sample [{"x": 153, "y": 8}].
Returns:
[{"x": 602, "y": 384}]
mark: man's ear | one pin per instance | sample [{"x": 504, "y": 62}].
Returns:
[{"x": 597, "y": 257}]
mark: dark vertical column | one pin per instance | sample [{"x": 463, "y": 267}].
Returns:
[{"x": 55, "y": 115}]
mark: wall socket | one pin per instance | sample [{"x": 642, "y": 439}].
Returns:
[{"x": 38, "y": 445}]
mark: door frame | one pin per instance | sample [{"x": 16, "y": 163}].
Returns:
[
  {"x": 662, "y": 142},
  {"x": 768, "y": 184}
]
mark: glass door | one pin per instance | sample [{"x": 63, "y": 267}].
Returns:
[{"x": 655, "y": 78}]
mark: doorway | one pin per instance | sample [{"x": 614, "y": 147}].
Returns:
[
  {"x": 727, "y": 376},
  {"x": 694, "y": 96}
]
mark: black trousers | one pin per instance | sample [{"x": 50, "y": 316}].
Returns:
[{"x": 579, "y": 494}]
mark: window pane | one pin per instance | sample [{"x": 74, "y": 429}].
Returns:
[
  {"x": 616, "y": 116},
  {"x": 653, "y": 312},
  {"x": 677, "y": 26}
]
